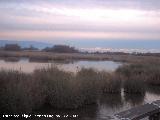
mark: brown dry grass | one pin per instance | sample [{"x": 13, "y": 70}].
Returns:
[
  {"x": 22, "y": 93},
  {"x": 38, "y": 55}
]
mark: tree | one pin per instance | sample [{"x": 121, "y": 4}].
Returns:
[
  {"x": 61, "y": 49},
  {"x": 31, "y": 48},
  {"x": 12, "y": 47}
]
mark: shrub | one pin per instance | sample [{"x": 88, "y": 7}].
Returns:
[
  {"x": 61, "y": 49},
  {"x": 12, "y": 47}
]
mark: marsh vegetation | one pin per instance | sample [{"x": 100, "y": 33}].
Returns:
[
  {"x": 63, "y": 90},
  {"x": 21, "y": 92},
  {"x": 139, "y": 75}
]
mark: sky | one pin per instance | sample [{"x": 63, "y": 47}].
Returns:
[{"x": 133, "y": 24}]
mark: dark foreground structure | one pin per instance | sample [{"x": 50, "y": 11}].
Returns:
[{"x": 151, "y": 110}]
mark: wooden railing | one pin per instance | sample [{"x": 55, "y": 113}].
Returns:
[{"x": 150, "y": 110}]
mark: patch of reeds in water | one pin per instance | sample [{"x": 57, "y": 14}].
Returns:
[
  {"x": 23, "y": 93},
  {"x": 111, "y": 82},
  {"x": 60, "y": 87},
  {"x": 136, "y": 76},
  {"x": 133, "y": 80}
]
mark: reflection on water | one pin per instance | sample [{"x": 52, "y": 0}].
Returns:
[
  {"x": 113, "y": 101},
  {"x": 134, "y": 99},
  {"x": 109, "y": 104},
  {"x": 106, "y": 107},
  {"x": 88, "y": 112},
  {"x": 154, "y": 89},
  {"x": 11, "y": 59},
  {"x": 29, "y": 66}
]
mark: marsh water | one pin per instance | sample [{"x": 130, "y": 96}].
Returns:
[
  {"x": 106, "y": 107},
  {"x": 28, "y": 66},
  {"x": 107, "y": 104}
]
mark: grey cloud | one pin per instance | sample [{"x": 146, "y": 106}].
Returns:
[
  {"x": 75, "y": 27},
  {"x": 9, "y": 24},
  {"x": 138, "y": 4}
]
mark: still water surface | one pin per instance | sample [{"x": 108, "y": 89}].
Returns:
[
  {"x": 26, "y": 66},
  {"x": 107, "y": 105}
]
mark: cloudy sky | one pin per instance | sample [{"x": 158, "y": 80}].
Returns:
[{"x": 91, "y": 22}]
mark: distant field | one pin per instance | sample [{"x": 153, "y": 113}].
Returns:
[{"x": 47, "y": 56}]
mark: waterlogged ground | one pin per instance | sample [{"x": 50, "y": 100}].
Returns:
[{"x": 107, "y": 105}]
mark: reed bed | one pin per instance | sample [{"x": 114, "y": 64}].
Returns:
[
  {"x": 59, "y": 88},
  {"x": 23, "y": 93},
  {"x": 15, "y": 94},
  {"x": 47, "y": 56},
  {"x": 138, "y": 75},
  {"x": 111, "y": 82},
  {"x": 89, "y": 81}
]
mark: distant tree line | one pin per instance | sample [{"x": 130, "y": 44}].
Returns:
[
  {"x": 55, "y": 48},
  {"x": 67, "y": 49},
  {"x": 12, "y": 47},
  {"x": 31, "y": 48},
  {"x": 61, "y": 49},
  {"x": 16, "y": 47}
]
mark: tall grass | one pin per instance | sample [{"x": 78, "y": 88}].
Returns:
[
  {"x": 111, "y": 82},
  {"x": 60, "y": 87},
  {"x": 14, "y": 92},
  {"x": 21, "y": 92},
  {"x": 133, "y": 79},
  {"x": 136, "y": 76},
  {"x": 134, "y": 85},
  {"x": 89, "y": 84},
  {"x": 149, "y": 72}
]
